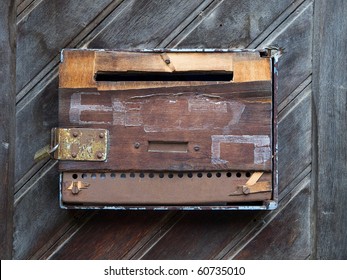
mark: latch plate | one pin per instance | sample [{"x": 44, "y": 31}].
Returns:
[{"x": 80, "y": 144}]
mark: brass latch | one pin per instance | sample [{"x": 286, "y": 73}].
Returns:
[{"x": 80, "y": 144}]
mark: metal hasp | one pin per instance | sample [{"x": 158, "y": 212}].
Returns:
[{"x": 80, "y": 144}]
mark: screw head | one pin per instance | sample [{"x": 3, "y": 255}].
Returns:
[
  {"x": 137, "y": 145},
  {"x": 101, "y": 135},
  {"x": 75, "y": 134},
  {"x": 75, "y": 190},
  {"x": 196, "y": 148},
  {"x": 74, "y": 154},
  {"x": 99, "y": 155},
  {"x": 167, "y": 61},
  {"x": 245, "y": 190}
]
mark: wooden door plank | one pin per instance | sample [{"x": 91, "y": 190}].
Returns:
[
  {"x": 329, "y": 92},
  {"x": 154, "y": 22},
  {"x": 7, "y": 126},
  {"x": 110, "y": 235},
  {"x": 34, "y": 122},
  {"x": 294, "y": 138},
  {"x": 47, "y": 29},
  {"x": 233, "y": 24},
  {"x": 200, "y": 235},
  {"x": 287, "y": 236},
  {"x": 37, "y": 216},
  {"x": 295, "y": 36}
]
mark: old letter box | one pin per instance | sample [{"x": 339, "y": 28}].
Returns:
[{"x": 167, "y": 129}]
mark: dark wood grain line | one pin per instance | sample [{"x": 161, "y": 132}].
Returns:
[
  {"x": 7, "y": 126},
  {"x": 267, "y": 220},
  {"x": 330, "y": 99}
]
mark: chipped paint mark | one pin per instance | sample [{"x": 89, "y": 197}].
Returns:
[
  {"x": 5, "y": 145},
  {"x": 76, "y": 108},
  {"x": 262, "y": 151}
]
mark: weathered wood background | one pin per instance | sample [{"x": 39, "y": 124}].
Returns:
[{"x": 310, "y": 221}]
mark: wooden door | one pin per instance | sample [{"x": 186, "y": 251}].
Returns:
[{"x": 309, "y": 222}]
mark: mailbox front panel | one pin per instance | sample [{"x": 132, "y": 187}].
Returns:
[{"x": 183, "y": 129}]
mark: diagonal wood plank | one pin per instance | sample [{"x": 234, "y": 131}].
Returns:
[
  {"x": 232, "y": 24},
  {"x": 124, "y": 32},
  {"x": 287, "y": 235},
  {"x": 37, "y": 215},
  {"x": 110, "y": 235},
  {"x": 295, "y": 36},
  {"x": 50, "y": 26}
]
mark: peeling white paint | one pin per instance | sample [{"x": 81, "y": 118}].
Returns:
[
  {"x": 76, "y": 108},
  {"x": 204, "y": 104},
  {"x": 262, "y": 151}
]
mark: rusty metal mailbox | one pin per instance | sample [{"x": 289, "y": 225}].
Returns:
[{"x": 167, "y": 129}]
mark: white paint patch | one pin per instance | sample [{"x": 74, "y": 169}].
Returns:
[
  {"x": 133, "y": 115},
  {"x": 262, "y": 151},
  {"x": 76, "y": 108},
  {"x": 236, "y": 110},
  {"x": 118, "y": 112},
  {"x": 207, "y": 105}
]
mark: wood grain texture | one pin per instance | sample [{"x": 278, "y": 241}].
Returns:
[
  {"x": 110, "y": 235},
  {"x": 37, "y": 216},
  {"x": 232, "y": 24},
  {"x": 294, "y": 138},
  {"x": 34, "y": 122},
  {"x": 199, "y": 235},
  {"x": 35, "y": 134},
  {"x": 295, "y": 36},
  {"x": 287, "y": 236},
  {"x": 240, "y": 115},
  {"x": 143, "y": 24},
  {"x": 330, "y": 91},
  {"x": 7, "y": 124},
  {"x": 47, "y": 29}
]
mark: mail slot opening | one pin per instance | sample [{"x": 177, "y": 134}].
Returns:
[{"x": 194, "y": 76}]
